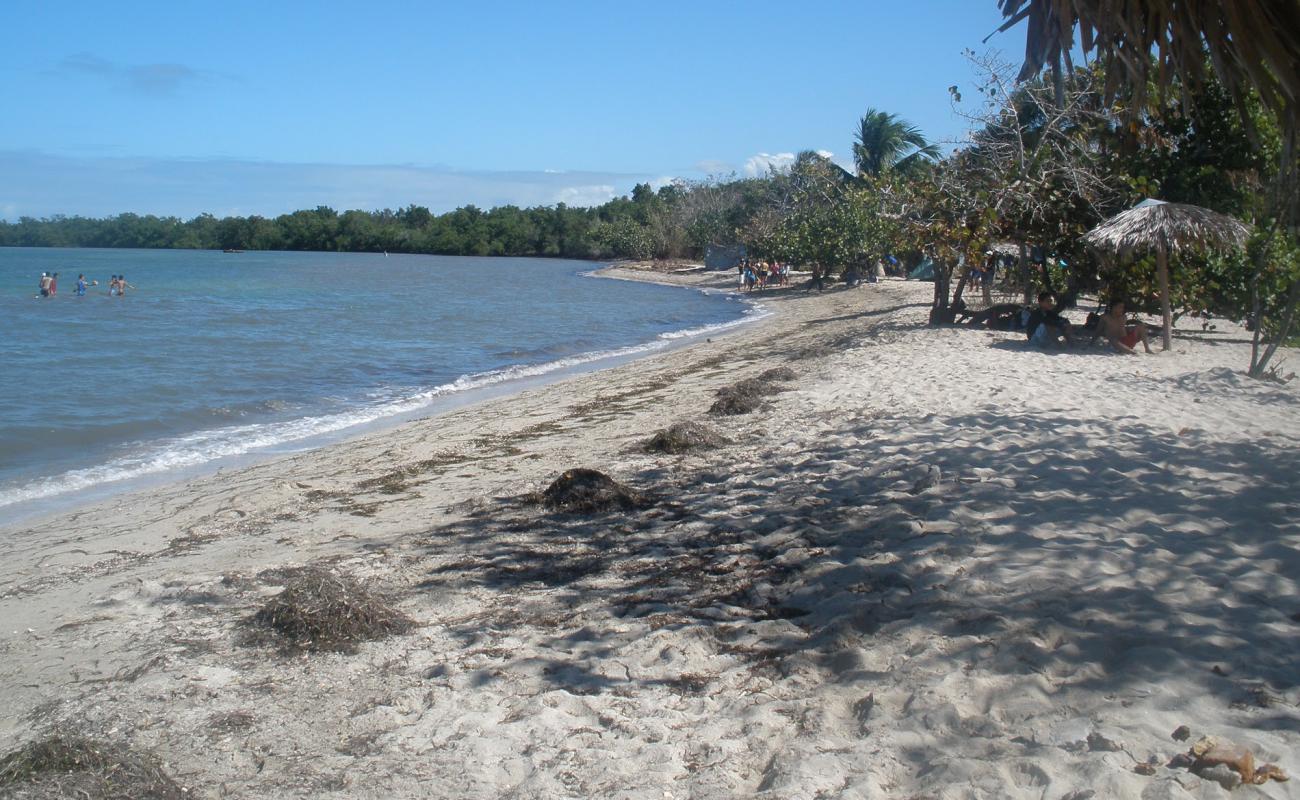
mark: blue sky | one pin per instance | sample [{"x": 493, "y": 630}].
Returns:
[{"x": 266, "y": 107}]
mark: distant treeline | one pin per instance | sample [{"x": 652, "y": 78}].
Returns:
[{"x": 605, "y": 231}]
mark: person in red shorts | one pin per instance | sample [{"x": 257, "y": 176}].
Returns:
[{"x": 1123, "y": 335}]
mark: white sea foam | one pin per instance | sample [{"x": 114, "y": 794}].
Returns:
[{"x": 203, "y": 447}]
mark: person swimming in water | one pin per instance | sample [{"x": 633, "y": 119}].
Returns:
[
  {"x": 43, "y": 288},
  {"x": 122, "y": 286},
  {"x": 81, "y": 285}
]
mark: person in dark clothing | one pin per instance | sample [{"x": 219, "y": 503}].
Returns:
[
  {"x": 1046, "y": 325},
  {"x": 816, "y": 282}
]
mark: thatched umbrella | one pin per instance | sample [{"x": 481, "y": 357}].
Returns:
[{"x": 1166, "y": 228}]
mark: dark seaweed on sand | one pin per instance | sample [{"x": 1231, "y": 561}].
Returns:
[
  {"x": 683, "y": 437},
  {"x": 587, "y": 490},
  {"x": 776, "y": 374},
  {"x": 320, "y": 610},
  {"x": 749, "y": 395},
  {"x": 73, "y": 766}
]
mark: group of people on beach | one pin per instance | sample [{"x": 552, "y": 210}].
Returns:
[
  {"x": 761, "y": 274},
  {"x": 49, "y": 285},
  {"x": 1046, "y": 327}
]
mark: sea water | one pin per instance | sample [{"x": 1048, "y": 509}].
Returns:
[{"x": 214, "y": 356}]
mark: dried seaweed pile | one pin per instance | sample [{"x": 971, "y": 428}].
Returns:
[
  {"x": 70, "y": 766},
  {"x": 320, "y": 610},
  {"x": 777, "y": 374},
  {"x": 587, "y": 490},
  {"x": 751, "y": 394},
  {"x": 682, "y": 437}
]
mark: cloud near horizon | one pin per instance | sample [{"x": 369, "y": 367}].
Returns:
[
  {"x": 42, "y": 185},
  {"x": 759, "y": 165},
  {"x": 712, "y": 166},
  {"x": 585, "y": 195},
  {"x": 152, "y": 79}
]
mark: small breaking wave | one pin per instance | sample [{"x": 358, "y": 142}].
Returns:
[{"x": 232, "y": 441}]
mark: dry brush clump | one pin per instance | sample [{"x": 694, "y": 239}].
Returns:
[
  {"x": 749, "y": 395},
  {"x": 323, "y": 610},
  {"x": 682, "y": 437},
  {"x": 778, "y": 374},
  {"x": 75, "y": 766},
  {"x": 587, "y": 490}
]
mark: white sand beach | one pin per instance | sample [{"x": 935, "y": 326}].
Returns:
[{"x": 940, "y": 565}]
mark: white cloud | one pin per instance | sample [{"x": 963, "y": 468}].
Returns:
[
  {"x": 712, "y": 166},
  {"x": 661, "y": 182},
  {"x": 763, "y": 163},
  {"x": 40, "y": 185},
  {"x": 826, "y": 154},
  {"x": 585, "y": 195}
]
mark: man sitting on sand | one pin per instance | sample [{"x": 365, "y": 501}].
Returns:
[
  {"x": 1046, "y": 326},
  {"x": 1122, "y": 334}
]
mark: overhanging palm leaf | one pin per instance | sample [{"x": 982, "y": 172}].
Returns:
[
  {"x": 925, "y": 155},
  {"x": 1251, "y": 43}
]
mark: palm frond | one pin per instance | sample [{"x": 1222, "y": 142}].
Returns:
[{"x": 1252, "y": 44}]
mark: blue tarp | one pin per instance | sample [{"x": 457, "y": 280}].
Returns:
[
  {"x": 923, "y": 272},
  {"x": 723, "y": 256}
]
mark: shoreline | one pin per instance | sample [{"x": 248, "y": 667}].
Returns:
[
  {"x": 482, "y": 387},
  {"x": 940, "y": 562}
]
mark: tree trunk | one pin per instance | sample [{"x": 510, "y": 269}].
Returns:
[
  {"x": 940, "y": 313},
  {"x": 961, "y": 286},
  {"x": 1024, "y": 273},
  {"x": 1047, "y": 280},
  {"x": 1288, "y": 319},
  {"x": 1162, "y": 275},
  {"x": 1256, "y": 332}
]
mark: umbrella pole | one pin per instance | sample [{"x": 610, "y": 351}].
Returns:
[{"x": 1162, "y": 274}]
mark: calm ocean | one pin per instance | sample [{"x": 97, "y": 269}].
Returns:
[{"x": 217, "y": 356}]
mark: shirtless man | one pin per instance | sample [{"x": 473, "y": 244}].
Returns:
[{"x": 1114, "y": 325}]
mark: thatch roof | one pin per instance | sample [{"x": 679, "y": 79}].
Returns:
[
  {"x": 1251, "y": 44},
  {"x": 1004, "y": 248},
  {"x": 1173, "y": 226}
]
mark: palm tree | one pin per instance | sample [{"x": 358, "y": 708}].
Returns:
[{"x": 885, "y": 142}]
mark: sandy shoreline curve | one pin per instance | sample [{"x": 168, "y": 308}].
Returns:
[
  {"x": 79, "y": 488},
  {"x": 939, "y": 564}
]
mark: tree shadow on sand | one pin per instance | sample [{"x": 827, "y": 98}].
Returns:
[
  {"x": 871, "y": 313},
  {"x": 1097, "y": 556}
]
